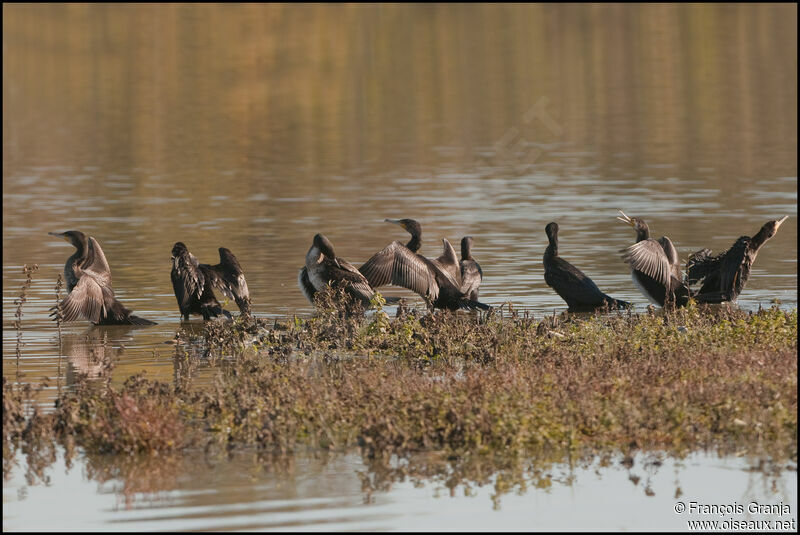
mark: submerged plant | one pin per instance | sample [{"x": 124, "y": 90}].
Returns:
[{"x": 28, "y": 271}]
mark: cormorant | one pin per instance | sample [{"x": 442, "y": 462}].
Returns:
[
  {"x": 471, "y": 273},
  {"x": 655, "y": 266},
  {"x": 725, "y": 275},
  {"x": 88, "y": 279},
  {"x": 193, "y": 283},
  {"x": 438, "y": 281},
  {"x": 579, "y": 291},
  {"x": 323, "y": 267}
]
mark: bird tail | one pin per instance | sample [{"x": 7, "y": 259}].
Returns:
[
  {"x": 212, "y": 311},
  {"x": 117, "y": 314},
  {"x": 712, "y": 297},
  {"x": 618, "y": 304},
  {"x": 136, "y": 320},
  {"x": 473, "y": 305}
]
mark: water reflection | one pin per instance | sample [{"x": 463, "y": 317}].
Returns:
[
  {"x": 90, "y": 355},
  {"x": 258, "y": 490}
]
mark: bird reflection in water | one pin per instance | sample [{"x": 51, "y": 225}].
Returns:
[{"x": 92, "y": 353}]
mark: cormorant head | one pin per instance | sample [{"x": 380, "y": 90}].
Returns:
[
  {"x": 770, "y": 228},
  {"x": 410, "y": 225},
  {"x": 75, "y": 237},
  {"x": 179, "y": 249},
  {"x": 325, "y": 246},
  {"x": 638, "y": 224},
  {"x": 466, "y": 247},
  {"x": 551, "y": 230}
]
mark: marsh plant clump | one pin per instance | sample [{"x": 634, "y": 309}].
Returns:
[{"x": 501, "y": 386}]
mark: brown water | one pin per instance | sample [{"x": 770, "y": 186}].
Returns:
[{"x": 254, "y": 127}]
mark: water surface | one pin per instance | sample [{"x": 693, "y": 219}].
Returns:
[{"x": 326, "y": 492}]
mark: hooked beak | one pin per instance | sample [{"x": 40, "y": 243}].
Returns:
[
  {"x": 395, "y": 221},
  {"x": 63, "y": 236},
  {"x": 625, "y": 219}
]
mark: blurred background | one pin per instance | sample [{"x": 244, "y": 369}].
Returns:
[{"x": 254, "y": 127}]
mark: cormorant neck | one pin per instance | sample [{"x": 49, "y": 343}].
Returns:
[
  {"x": 759, "y": 239},
  {"x": 415, "y": 243},
  {"x": 314, "y": 256},
  {"x": 81, "y": 243},
  {"x": 466, "y": 253},
  {"x": 552, "y": 249}
]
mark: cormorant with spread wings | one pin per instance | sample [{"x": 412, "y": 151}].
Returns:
[
  {"x": 193, "y": 283},
  {"x": 655, "y": 266},
  {"x": 88, "y": 279},
  {"x": 438, "y": 281},
  {"x": 725, "y": 275}
]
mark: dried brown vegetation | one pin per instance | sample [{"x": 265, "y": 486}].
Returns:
[{"x": 469, "y": 387}]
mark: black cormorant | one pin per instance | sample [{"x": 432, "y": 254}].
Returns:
[
  {"x": 193, "y": 283},
  {"x": 88, "y": 279},
  {"x": 438, "y": 281},
  {"x": 655, "y": 266},
  {"x": 725, "y": 274},
  {"x": 471, "y": 273},
  {"x": 323, "y": 267},
  {"x": 579, "y": 291}
]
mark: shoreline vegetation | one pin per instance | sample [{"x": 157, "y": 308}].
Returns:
[{"x": 483, "y": 394}]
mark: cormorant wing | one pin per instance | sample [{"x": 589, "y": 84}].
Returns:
[
  {"x": 397, "y": 265},
  {"x": 97, "y": 263},
  {"x": 229, "y": 278},
  {"x": 84, "y": 301},
  {"x": 305, "y": 284},
  {"x": 648, "y": 256},
  {"x": 701, "y": 265},
  {"x": 735, "y": 268},
  {"x": 187, "y": 280},
  {"x": 348, "y": 271},
  {"x": 723, "y": 275},
  {"x": 573, "y": 285},
  {"x": 672, "y": 256},
  {"x": 357, "y": 283},
  {"x": 448, "y": 263}
]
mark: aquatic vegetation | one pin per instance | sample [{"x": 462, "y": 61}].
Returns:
[
  {"x": 142, "y": 416},
  {"x": 501, "y": 385},
  {"x": 28, "y": 271}
]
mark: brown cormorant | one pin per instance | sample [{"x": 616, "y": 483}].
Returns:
[
  {"x": 193, "y": 283},
  {"x": 438, "y": 281},
  {"x": 323, "y": 267},
  {"x": 725, "y": 275},
  {"x": 471, "y": 273},
  {"x": 655, "y": 266},
  {"x": 579, "y": 291},
  {"x": 88, "y": 279}
]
